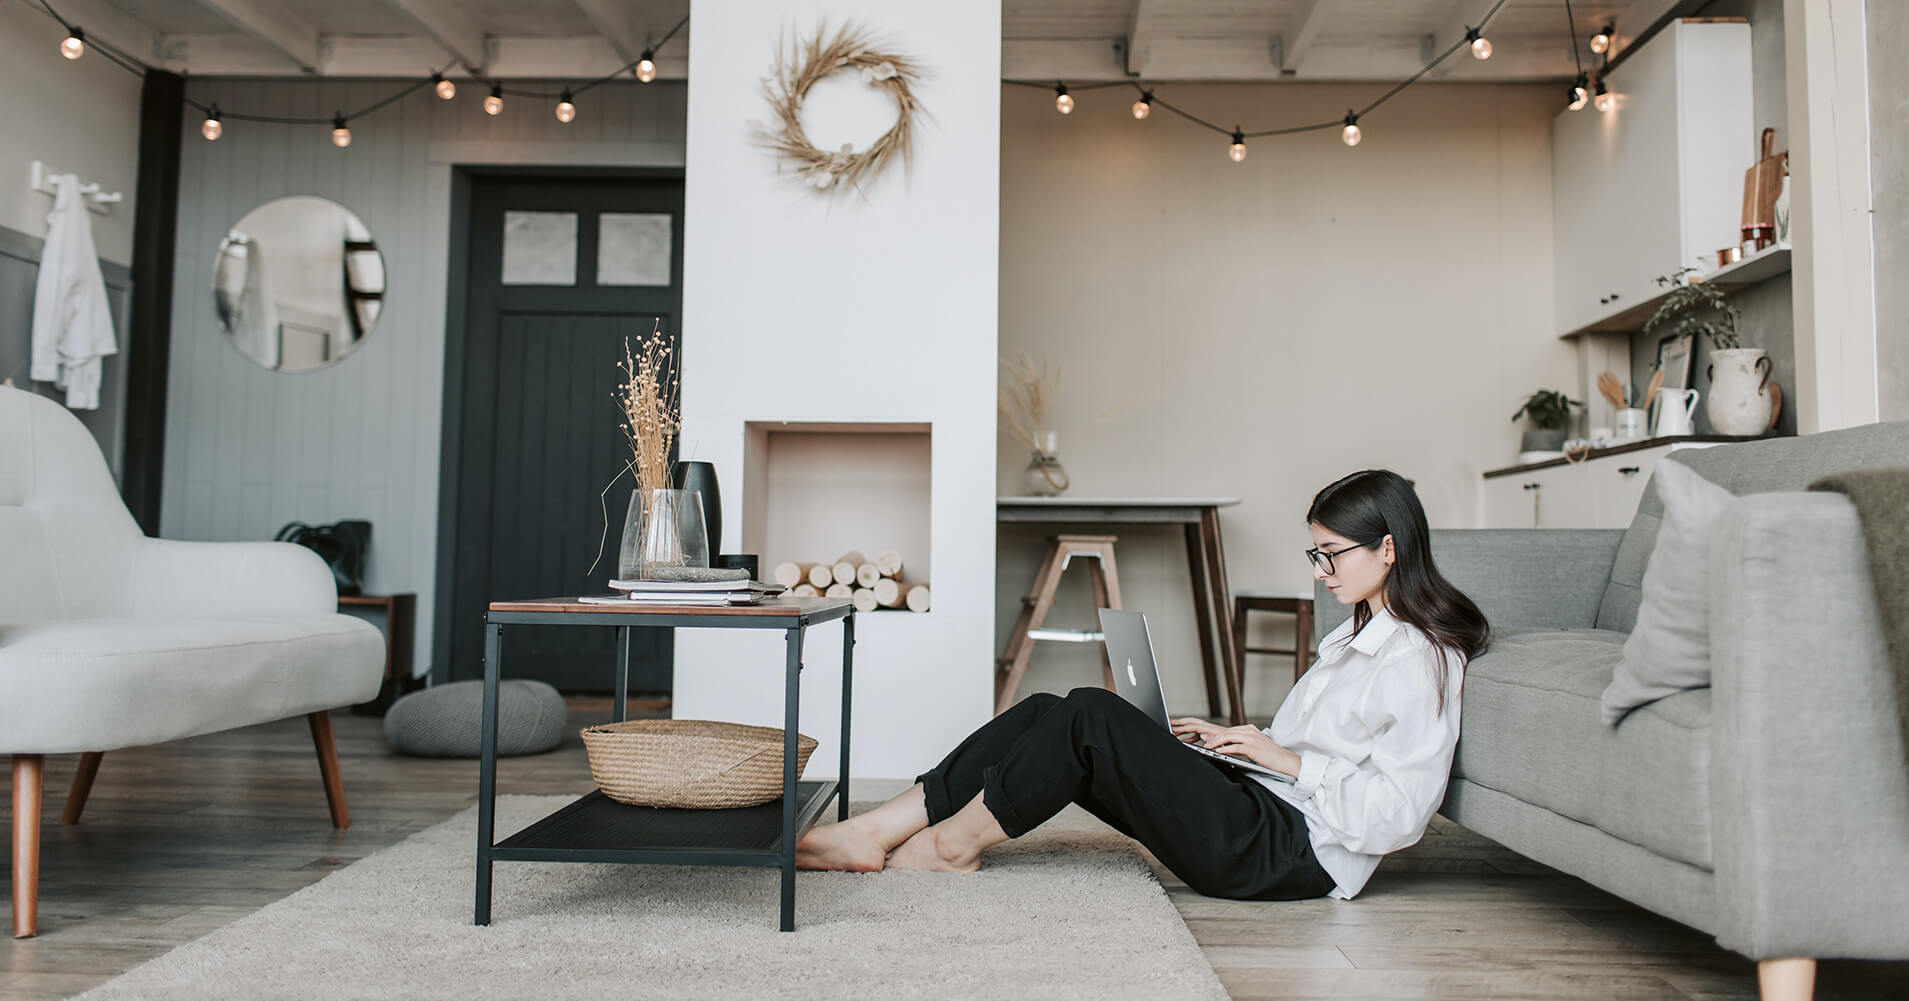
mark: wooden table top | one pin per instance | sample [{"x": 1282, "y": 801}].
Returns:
[{"x": 768, "y": 607}]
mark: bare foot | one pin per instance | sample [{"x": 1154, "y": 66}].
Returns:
[
  {"x": 924, "y": 852},
  {"x": 844, "y": 847}
]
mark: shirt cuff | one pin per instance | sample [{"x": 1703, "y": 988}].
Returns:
[{"x": 1312, "y": 769}]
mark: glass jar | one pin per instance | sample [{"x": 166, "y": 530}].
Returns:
[{"x": 1045, "y": 476}]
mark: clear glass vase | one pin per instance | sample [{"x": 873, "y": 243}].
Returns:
[
  {"x": 663, "y": 528},
  {"x": 1045, "y": 476}
]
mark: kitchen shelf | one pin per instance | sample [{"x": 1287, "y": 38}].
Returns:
[{"x": 1764, "y": 264}]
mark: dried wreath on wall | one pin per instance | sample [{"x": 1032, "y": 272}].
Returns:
[{"x": 800, "y": 68}]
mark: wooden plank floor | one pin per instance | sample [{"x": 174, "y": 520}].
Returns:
[{"x": 180, "y": 839}]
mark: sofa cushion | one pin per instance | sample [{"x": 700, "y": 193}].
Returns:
[
  {"x": 1669, "y": 649},
  {"x": 1752, "y": 467},
  {"x": 103, "y": 684},
  {"x": 1531, "y": 729}
]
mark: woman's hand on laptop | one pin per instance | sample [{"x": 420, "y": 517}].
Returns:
[{"x": 1248, "y": 742}]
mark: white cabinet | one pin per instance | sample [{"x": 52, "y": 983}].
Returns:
[
  {"x": 1600, "y": 492},
  {"x": 1645, "y": 188}
]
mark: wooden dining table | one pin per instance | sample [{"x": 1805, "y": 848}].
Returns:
[{"x": 1199, "y": 518}]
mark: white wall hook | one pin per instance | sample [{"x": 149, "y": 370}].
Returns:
[{"x": 97, "y": 200}]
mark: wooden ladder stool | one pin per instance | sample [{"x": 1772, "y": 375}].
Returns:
[{"x": 1061, "y": 551}]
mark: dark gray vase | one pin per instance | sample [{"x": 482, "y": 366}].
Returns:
[{"x": 701, "y": 477}]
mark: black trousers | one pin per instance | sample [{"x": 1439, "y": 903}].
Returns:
[{"x": 1213, "y": 826}]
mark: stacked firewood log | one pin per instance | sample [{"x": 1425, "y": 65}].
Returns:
[{"x": 872, "y": 584}]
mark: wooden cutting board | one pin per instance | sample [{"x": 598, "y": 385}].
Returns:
[{"x": 1761, "y": 184}]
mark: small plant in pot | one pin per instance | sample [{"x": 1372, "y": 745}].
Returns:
[
  {"x": 1550, "y": 414},
  {"x": 1743, "y": 400}
]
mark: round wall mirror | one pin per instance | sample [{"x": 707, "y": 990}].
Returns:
[{"x": 298, "y": 284}]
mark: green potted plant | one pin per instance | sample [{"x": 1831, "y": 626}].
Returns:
[
  {"x": 1742, "y": 398},
  {"x": 1550, "y": 414}
]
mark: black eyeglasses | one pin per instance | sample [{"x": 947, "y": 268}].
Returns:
[{"x": 1323, "y": 560}]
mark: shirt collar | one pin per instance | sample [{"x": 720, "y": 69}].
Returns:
[{"x": 1379, "y": 629}]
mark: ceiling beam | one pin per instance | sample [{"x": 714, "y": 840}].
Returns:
[
  {"x": 572, "y": 59},
  {"x": 1139, "y": 36},
  {"x": 276, "y": 27},
  {"x": 1248, "y": 58},
  {"x": 1302, "y": 30},
  {"x": 451, "y": 26},
  {"x": 618, "y": 23},
  {"x": 1464, "y": 14}
]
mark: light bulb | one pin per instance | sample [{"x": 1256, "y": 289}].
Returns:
[
  {"x": 646, "y": 67},
  {"x": 1601, "y": 42},
  {"x": 340, "y": 134},
  {"x": 1605, "y": 100},
  {"x": 1481, "y": 46},
  {"x": 212, "y": 130},
  {"x": 566, "y": 112},
  {"x": 1352, "y": 134},
  {"x": 1238, "y": 150},
  {"x": 74, "y": 46},
  {"x": 1579, "y": 95},
  {"x": 1143, "y": 107},
  {"x": 445, "y": 88},
  {"x": 494, "y": 103},
  {"x": 1063, "y": 101}
]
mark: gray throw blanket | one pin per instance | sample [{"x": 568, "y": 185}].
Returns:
[{"x": 1881, "y": 497}]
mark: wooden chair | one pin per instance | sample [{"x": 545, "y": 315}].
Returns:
[
  {"x": 1061, "y": 551},
  {"x": 1298, "y": 605}
]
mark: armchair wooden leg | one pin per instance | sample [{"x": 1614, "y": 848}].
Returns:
[
  {"x": 28, "y": 771},
  {"x": 1786, "y": 979},
  {"x": 328, "y": 768},
  {"x": 82, "y": 787}
]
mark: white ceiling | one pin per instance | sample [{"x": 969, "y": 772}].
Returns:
[{"x": 1080, "y": 40}]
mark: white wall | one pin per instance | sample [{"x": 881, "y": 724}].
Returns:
[
  {"x": 1259, "y": 329},
  {"x": 81, "y": 117},
  {"x": 248, "y": 450},
  {"x": 892, "y": 299}
]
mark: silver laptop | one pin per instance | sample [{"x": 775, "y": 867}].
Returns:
[{"x": 1137, "y": 679}]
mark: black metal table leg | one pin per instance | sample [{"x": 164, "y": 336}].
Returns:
[
  {"x": 848, "y": 671},
  {"x": 791, "y": 721},
  {"x": 622, "y": 674},
  {"x": 487, "y": 771}
]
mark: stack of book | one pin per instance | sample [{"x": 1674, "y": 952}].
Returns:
[{"x": 671, "y": 592}]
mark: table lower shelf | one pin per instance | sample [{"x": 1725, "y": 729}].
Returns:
[{"x": 597, "y": 828}]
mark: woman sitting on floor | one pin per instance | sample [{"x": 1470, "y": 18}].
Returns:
[{"x": 1367, "y": 733}]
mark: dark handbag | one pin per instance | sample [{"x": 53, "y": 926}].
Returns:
[{"x": 342, "y": 546}]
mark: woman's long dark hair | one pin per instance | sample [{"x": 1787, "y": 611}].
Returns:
[{"x": 1371, "y": 504}]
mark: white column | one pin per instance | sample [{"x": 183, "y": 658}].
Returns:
[
  {"x": 1833, "y": 264},
  {"x": 890, "y": 294}
]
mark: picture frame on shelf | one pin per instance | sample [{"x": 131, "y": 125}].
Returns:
[{"x": 1673, "y": 359}]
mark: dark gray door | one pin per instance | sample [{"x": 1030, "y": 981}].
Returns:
[{"x": 562, "y": 271}]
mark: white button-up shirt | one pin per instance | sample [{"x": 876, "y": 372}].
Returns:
[{"x": 1374, "y": 750}]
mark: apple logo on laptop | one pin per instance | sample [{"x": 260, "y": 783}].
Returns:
[{"x": 1131, "y": 680}]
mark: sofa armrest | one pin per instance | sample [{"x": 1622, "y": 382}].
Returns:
[
  {"x": 208, "y": 579},
  {"x": 1809, "y": 801},
  {"x": 1521, "y": 578}
]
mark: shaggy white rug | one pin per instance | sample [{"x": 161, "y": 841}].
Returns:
[{"x": 1070, "y": 911}]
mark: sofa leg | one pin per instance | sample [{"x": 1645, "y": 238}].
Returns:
[
  {"x": 1786, "y": 979},
  {"x": 82, "y": 787},
  {"x": 328, "y": 767},
  {"x": 28, "y": 771}
]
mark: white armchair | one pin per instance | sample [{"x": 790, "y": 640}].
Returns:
[{"x": 109, "y": 639}]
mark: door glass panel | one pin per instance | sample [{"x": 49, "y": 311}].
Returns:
[
  {"x": 633, "y": 248},
  {"x": 540, "y": 248}
]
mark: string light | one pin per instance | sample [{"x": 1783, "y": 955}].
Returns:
[
  {"x": 646, "y": 66},
  {"x": 1143, "y": 107},
  {"x": 1605, "y": 100},
  {"x": 1238, "y": 150},
  {"x": 494, "y": 102},
  {"x": 445, "y": 88},
  {"x": 340, "y": 133},
  {"x": 1481, "y": 46},
  {"x": 74, "y": 45},
  {"x": 1579, "y": 95},
  {"x": 212, "y": 130},
  {"x": 1352, "y": 134},
  {"x": 566, "y": 112},
  {"x": 1063, "y": 101},
  {"x": 1601, "y": 42}
]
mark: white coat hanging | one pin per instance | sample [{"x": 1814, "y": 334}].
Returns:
[{"x": 72, "y": 323}]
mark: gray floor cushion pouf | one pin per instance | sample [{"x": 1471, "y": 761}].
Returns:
[{"x": 443, "y": 721}]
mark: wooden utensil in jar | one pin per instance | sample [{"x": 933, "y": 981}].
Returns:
[{"x": 1612, "y": 391}]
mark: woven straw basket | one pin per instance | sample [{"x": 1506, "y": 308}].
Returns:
[{"x": 690, "y": 764}]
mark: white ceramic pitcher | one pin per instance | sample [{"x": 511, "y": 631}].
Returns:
[{"x": 1676, "y": 412}]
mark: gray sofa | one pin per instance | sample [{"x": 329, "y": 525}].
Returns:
[{"x": 1770, "y": 810}]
